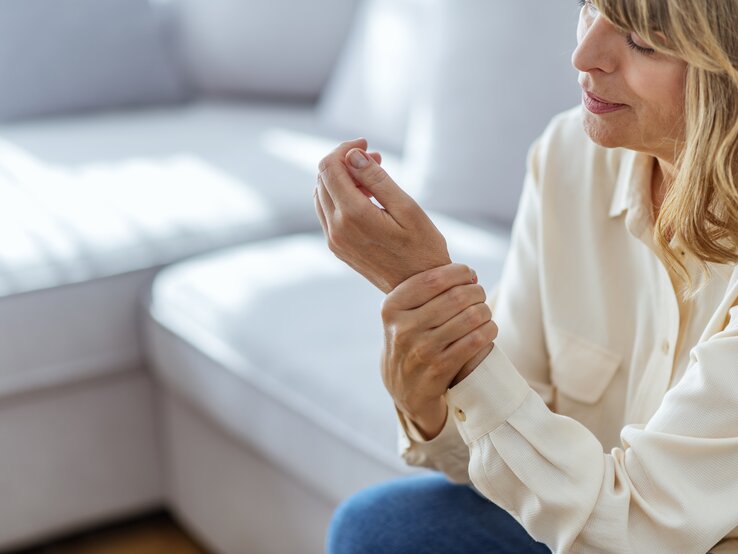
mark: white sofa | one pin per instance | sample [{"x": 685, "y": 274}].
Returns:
[{"x": 240, "y": 390}]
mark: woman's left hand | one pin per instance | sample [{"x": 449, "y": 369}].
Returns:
[{"x": 385, "y": 244}]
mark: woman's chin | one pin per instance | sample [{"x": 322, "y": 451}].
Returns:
[{"x": 602, "y": 133}]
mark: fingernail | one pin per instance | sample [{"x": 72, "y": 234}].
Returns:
[
  {"x": 475, "y": 280},
  {"x": 358, "y": 160}
]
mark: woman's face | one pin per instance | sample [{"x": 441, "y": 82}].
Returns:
[{"x": 640, "y": 92}]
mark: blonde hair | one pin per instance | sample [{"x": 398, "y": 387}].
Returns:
[{"x": 699, "y": 215}]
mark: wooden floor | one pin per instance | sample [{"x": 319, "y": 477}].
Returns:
[{"x": 156, "y": 534}]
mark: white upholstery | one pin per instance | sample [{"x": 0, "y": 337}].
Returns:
[
  {"x": 61, "y": 335},
  {"x": 267, "y": 353},
  {"x": 494, "y": 74},
  {"x": 279, "y": 343},
  {"x": 375, "y": 81},
  {"x": 92, "y": 205},
  {"x": 62, "y": 56},
  {"x": 232, "y": 498},
  {"x": 78, "y": 455},
  {"x": 256, "y": 48}
]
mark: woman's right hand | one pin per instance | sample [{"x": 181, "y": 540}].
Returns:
[{"x": 434, "y": 324}]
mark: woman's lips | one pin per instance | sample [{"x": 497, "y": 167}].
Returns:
[{"x": 598, "y": 106}]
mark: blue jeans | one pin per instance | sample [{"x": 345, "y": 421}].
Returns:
[{"x": 425, "y": 514}]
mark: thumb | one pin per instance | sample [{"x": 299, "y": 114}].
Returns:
[{"x": 368, "y": 173}]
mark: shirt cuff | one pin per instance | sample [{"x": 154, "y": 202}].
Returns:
[
  {"x": 486, "y": 397},
  {"x": 410, "y": 434}
]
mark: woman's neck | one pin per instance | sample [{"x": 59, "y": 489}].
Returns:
[{"x": 661, "y": 179}]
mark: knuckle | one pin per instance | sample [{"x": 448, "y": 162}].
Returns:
[
  {"x": 480, "y": 292},
  {"x": 478, "y": 339},
  {"x": 402, "y": 337},
  {"x": 493, "y": 330},
  {"x": 433, "y": 279},
  {"x": 375, "y": 174},
  {"x": 339, "y": 223},
  {"x": 472, "y": 317},
  {"x": 458, "y": 297},
  {"x": 323, "y": 165},
  {"x": 348, "y": 213},
  {"x": 462, "y": 269},
  {"x": 388, "y": 309}
]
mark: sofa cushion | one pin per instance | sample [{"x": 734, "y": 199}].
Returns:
[
  {"x": 285, "y": 322},
  {"x": 92, "y": 206},
  {"x": 495, "y": 74},
  {"x": 374, "y": 83},
  {"x": 101, "y": 195},
  {"x": 58, "y": 56},
  {"x": 248, "y": 47}
]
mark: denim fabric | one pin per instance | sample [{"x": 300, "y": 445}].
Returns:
[{"x": 425, "y": 514}]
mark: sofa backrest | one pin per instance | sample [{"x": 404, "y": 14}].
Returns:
[
  {"x": 61, "y": 56},
  {"x": 460, "y": 88},
  {"x": 496, "y": 74},
  {"x": 261, "y": 48},
  {"x": 374, "y": 82}
]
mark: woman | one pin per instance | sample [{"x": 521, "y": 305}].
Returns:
[{"x": 604, "y": 416}]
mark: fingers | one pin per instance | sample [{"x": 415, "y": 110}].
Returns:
[
  {"x": 319, "y": 212},
  {"x": 365, "y": 169},
  {"x": 325, "y": 198},
  {"x": 377, "y": 156},
  {"x": 336, "y": 178},
  {"x": 423, "y": 287},
  {"x": 450, "y": 303},
  {"x": 464, "y": 349},
  {"x": 462, "y": 324}
]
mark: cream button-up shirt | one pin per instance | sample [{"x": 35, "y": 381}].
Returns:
[{"x": 605, "y": 419}]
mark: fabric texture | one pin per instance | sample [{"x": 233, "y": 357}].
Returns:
[
  {"x": 425, "y": 514},
  {"x": 95, "y": 196},
  {"x": 323, "y": 395},
  {"x": 251, "y": 48},
  {"x": 61, "y": 56},
  {"x": 487, "y": 91},
  {"x": 605, "y": 418},
  {"x": 376, "y": 80}
]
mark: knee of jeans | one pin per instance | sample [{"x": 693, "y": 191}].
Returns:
[
  {"x": 347, "y": 529},
  {"x": 360, "y": 523}
]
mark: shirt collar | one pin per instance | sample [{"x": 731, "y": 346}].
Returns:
[
  {"x": 632, "y": 193},
  {"x": 633, "y": 183}
]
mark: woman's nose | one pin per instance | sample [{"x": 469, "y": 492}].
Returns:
[{"x": 596, "y": 50}]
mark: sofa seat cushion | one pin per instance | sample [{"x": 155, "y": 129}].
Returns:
[
  {"x": 92, "y": 206},
  {"x": 101, "y": 195},
  {"x": 279, "y": 342}
]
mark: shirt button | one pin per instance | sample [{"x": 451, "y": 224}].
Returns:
[
  {"x": 665, "y": 346},
  {"x": 460, "y": 415}
]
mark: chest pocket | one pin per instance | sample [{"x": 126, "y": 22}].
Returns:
[{"x": 580, "y": 369}]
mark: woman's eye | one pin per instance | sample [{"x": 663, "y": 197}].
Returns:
[
  {"x": 588, "y": 5},
  {"x": 583, "y": 3},
  {"x": 637, "y": 47}
]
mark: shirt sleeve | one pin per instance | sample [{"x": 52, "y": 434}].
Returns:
[
  {"x": 672, "y": 486},
  {"x": 515, "y": 304},
  {"x": 446, "y": 452}
]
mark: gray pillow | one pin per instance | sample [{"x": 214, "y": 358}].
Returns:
[{"x": 59, "y": 56}]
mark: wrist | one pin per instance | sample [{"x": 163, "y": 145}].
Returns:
[
  {"x": 471, "y": 365},
  {"x": 431, "y": 419}
]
